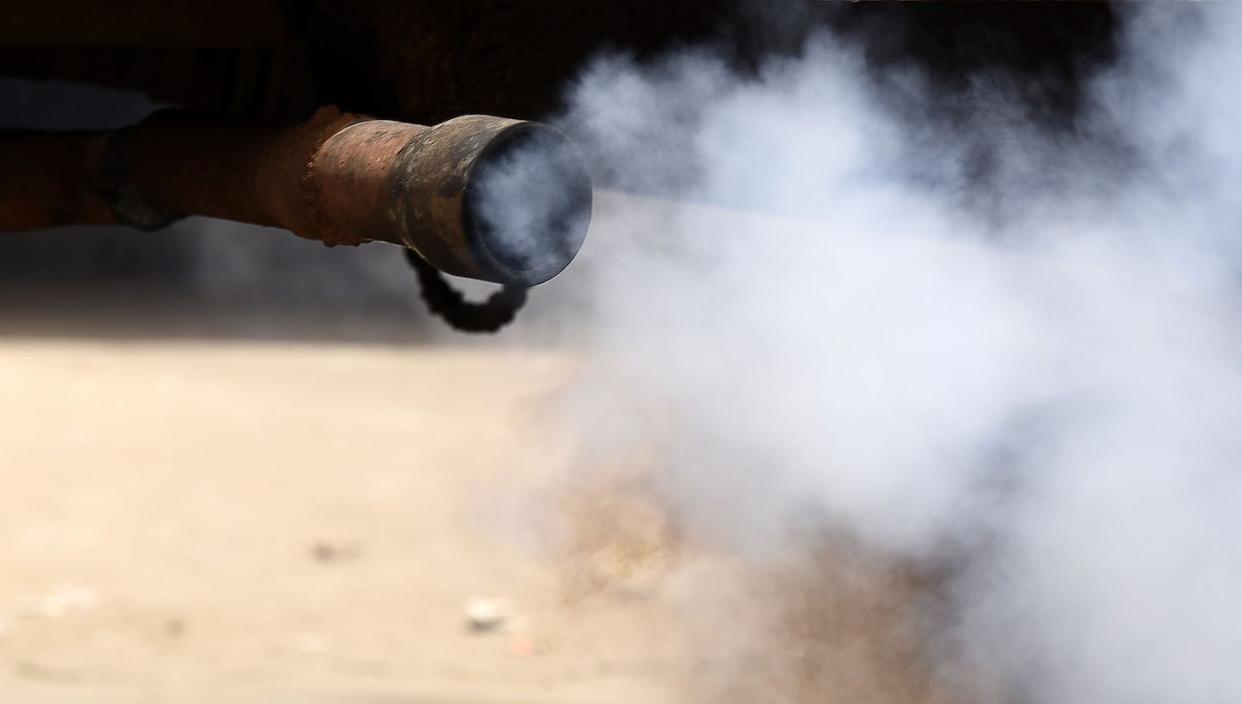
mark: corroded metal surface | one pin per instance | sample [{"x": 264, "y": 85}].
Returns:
[{"x": 339, "y": 178}]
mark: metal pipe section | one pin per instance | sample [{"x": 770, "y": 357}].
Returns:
[
  {"x": 46, "y": 180},
  {"x": 484, "y": 197}
]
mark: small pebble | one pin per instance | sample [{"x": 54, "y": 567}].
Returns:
[
  {"x": 327, "y": 552},
  {"x": 485, "y": 615}
]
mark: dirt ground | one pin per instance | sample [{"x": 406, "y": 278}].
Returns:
[
  {"x": 225, "y": 499},
  {"x": 214, "y": 520}
]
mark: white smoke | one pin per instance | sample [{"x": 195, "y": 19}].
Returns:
[{"x": 1045, "y": 394}]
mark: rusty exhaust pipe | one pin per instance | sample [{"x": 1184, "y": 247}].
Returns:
[{"x": 484, "y": 197}]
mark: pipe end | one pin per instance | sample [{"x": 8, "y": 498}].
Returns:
[{"x": 527, "y": 207}]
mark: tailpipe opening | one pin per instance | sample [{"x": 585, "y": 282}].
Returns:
[{"x": 495, "y": 199}]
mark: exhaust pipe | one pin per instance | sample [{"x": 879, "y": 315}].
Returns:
[{"x": 489, "y": 198}]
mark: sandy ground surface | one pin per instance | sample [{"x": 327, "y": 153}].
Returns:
[
  {"x": 236, "y": 521},
  {"x": 208, "y": 496}
]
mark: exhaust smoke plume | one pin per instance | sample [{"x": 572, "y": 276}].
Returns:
[{"x": 1013, "y": 418}]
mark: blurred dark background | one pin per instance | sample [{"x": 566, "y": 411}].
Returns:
[{"x": 78, "y": 65}]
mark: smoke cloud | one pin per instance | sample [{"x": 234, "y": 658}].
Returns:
[{"x": 821, "y": 334}]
